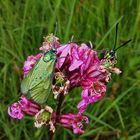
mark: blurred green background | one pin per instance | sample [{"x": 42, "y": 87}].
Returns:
[{"x": 23, "y": 23}]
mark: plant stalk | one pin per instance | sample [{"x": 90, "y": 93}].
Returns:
[{"x": 58, "y": 112}]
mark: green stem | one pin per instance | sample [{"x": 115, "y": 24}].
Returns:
[{"x": 58, "y": 112}]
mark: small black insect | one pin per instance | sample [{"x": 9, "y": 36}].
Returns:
[{"x": 111, "y": 54}]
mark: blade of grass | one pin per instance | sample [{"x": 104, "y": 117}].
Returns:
[
  {"x": 117, "y": 100},
  {"x": 70, "y": 20},
  {"x": 120, "y": 116},
  {"x": 53, "y": 19}
]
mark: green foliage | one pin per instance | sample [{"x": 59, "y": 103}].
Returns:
[{"x": 22, "y": 27}]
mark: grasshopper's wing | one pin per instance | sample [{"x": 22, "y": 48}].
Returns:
[
  {"x": 41, "y": 71},
  {"x": 25, "y": 84},
  {"x": 41, "y": 85},
  {"x": 41, "y": 91},
  {"x": 32, "y": 78}
]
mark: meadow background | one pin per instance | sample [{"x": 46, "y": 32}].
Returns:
[{"x": 23, "y": 23}]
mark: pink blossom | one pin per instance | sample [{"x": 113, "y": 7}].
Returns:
[
  {"x": 95, "y": 92},
  {"x": 82, "y": 67},
  {"x": 81, "y": 64},
  {"x": 92, "y": 94},
  {"x": 70, "y": 60},
  {"x": 50, "y": 42},
  {"x": 29, "y": 106},
  {"x": 30, "y": 62},
  {"x": 74, "y": 122},
  {"x": 26, "y": 106},
  {"x": 15, "y": 111}
]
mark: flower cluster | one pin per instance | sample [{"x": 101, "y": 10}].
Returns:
[
  {"x": 82, "y": 67},
  {"x": 76, "y": 66}
]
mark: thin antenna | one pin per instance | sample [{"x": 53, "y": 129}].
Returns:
[
  {"x": 116, "y": 36},
  {"x": 56, "y": 28},
  {"x": 123, "y": 45}
]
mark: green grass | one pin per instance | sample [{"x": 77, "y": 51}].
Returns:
[{"x": 23, "y": 24}]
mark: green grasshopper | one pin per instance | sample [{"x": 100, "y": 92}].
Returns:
[{"x": 38, "y": 82}]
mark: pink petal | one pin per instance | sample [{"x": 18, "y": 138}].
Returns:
[
  {"x": 75, "y": 65},
  {"x": 65, "y": 50}
]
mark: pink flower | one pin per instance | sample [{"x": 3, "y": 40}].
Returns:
[
  {"x": 92, "y": 94},
  {"x": 30, "y": 62},
  {"x": 71, "y": 59},
  {"x": 80, "y": 64},
  {"x": 26, "y": 106},
  {"x": 74, "y": 122},
  {"x": 82, "y": 67},
  {"x": 15, "y": 111},
  {"x": 50, "y": 42},
  {"x": 29, "y": 106}
]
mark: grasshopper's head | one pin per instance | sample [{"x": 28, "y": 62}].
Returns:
[
  {"x": 50, "y": 55},
  {"x": 110, "y": 55}
]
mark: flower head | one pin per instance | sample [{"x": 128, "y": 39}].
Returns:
[
  {"x": 82, "y": 67},
  {"x": 26, "y": 106},
  {"x": 61, "y": 85},
  {"x": 15, "y": 111},
  {"x": 50, "y": 42},
  {"x": 45, "y": 117},
  {"x": 79, "y": 63},
  {"x": 74, "y": 122},
  {"x": 108, "y": 67},
  {"x": 90, "y": 95}
]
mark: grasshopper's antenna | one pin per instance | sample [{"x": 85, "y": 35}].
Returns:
[
  {"x": 56, "y": 28},
  {"x": 123, "y": 44},
  {"x": 116, "y": 36}
]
